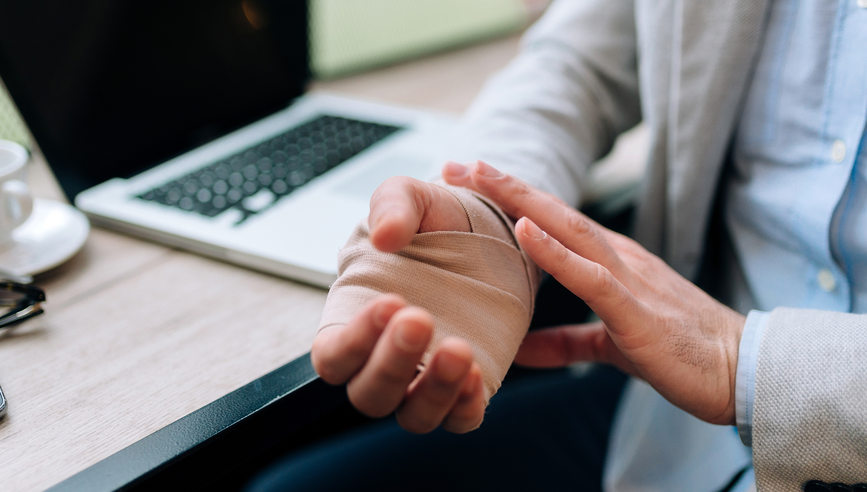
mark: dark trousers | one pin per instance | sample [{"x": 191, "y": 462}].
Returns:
[{"x": 544, "y": 430}]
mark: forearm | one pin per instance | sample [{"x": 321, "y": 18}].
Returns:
[{"x": 561, "y": 103}]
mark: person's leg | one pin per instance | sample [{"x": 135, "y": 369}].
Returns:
[{"x": 546, "y": 431}]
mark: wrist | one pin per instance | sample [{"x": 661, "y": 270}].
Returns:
[{"x": 734, "y": 332}]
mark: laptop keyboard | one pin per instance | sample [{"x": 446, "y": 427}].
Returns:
[{"x": 255, "y": 178}]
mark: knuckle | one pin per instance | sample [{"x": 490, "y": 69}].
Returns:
[
  {"x": 561, "y": 257},
  {"x": 369, "y": 403},
  {"x": 422, "y": 196},
  {"x": 467, "y": 419},
  {"x": 441, "y": 395},
  {"x": 519, "y": 188},
  {"x": 370, "y": 408},
  {"x": 517, "y": 194},
  {"x": 602, "y": 280},
  {"x": 578, "y": 224},
  {"x": 390, "y": 376},
  {"x": 333, "y": 350}
]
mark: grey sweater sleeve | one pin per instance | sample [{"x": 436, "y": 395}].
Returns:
[
  {"x": 561, "y": 103},
  {"x": 810, "y": 411}
]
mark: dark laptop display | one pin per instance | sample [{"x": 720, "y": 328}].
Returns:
[{"x": 112, "y": 87}]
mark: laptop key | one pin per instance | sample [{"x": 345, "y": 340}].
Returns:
[
  {"x": 259, "y": 201},
  {"x": 234, "y": 195},
  {"x": 280, "y": 187}
]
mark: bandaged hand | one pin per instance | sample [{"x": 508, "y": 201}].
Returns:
[
  {"x": 437, "y": 351},
  {"x": 655, "y": 324}
]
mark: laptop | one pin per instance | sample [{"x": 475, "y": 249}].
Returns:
[{"x": 186, "y": 122}]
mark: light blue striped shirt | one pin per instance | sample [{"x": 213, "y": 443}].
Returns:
[{"x": 796, "y": 200}]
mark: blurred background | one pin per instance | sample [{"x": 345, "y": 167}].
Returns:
[{"x": 348, "y": 36}]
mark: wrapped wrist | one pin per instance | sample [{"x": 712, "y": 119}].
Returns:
[{"x": 478, "y": 286}]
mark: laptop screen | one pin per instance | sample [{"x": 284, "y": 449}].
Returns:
[{"x": 112, "y": 87}]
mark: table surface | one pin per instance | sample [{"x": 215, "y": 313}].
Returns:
[{"x": 137, "y": 335}]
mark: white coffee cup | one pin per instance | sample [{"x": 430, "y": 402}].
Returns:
[{"x": 16, "y": 202}]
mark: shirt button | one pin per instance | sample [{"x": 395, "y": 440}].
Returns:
[
  {"x": 838, "y": 150},
  {"x": 826, "y": 280}
]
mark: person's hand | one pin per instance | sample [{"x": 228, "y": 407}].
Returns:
[
  {"x": 402, "y": 207},
  {"x": 655, "y": 323},
  {"x": 378, "y": 352}
]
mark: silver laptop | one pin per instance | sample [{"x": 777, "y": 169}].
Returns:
[
  {"x": 164, "y": 120},
  {"x": 259, "y": 199}
]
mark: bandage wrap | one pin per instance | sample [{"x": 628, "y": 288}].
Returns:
[{"x": 478, "y": 286}]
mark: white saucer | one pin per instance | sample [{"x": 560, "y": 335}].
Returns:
[{"x": 54, "y": 232}]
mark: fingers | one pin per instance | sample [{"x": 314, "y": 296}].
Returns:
[
  {"x": 432, "y": 398},
  {"x": 457, "y": 174},
  {"x": 469, "y": 411},
  {"x": 382, "y": 383},
  {"x": 590, "y": 281},
  {"x": 483, "y": 178},
  {"x": 402, "y": 207},
  {"x": 396, "y": 210},
  {"x": 339, "y": 352},
  {"x": 573, "y": 229},
  {"x": 563, "y": 345},
  {"x": 378, "y": 352}
]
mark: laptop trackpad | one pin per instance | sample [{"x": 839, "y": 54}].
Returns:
[{"x": 363, "y": 183}]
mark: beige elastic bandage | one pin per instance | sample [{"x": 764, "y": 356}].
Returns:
[{"x": 478, "y": 286}]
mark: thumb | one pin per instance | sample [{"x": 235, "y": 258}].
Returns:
[{"x": 402, "y": 207}]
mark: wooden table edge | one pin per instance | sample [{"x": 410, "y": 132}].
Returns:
[{"x": 222, "y": 435}]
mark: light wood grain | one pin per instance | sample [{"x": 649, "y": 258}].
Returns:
[
  {"x": 136, "y": 335},
  {"x": 113, "y": 367}
]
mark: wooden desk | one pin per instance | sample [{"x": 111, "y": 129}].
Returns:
[{"x": 137, "y": 335}]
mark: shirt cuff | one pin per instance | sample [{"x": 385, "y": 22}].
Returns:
[{"x": 745, "y": 380}]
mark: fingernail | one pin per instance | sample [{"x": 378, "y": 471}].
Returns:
[
  {"x": 473, "y": 383},
  {"x": 379, "y": 316},
  {"x": 532, "y": 231},
  {"x": 454, "y": 170},
  {"x": 487, "y": 170},
  {"x": 410, "y": 337}
]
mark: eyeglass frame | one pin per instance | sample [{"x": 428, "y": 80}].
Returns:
[{"x": 29, "y": 306}]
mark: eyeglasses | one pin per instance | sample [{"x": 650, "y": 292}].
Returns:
[{"x": 19, "y": 302}]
